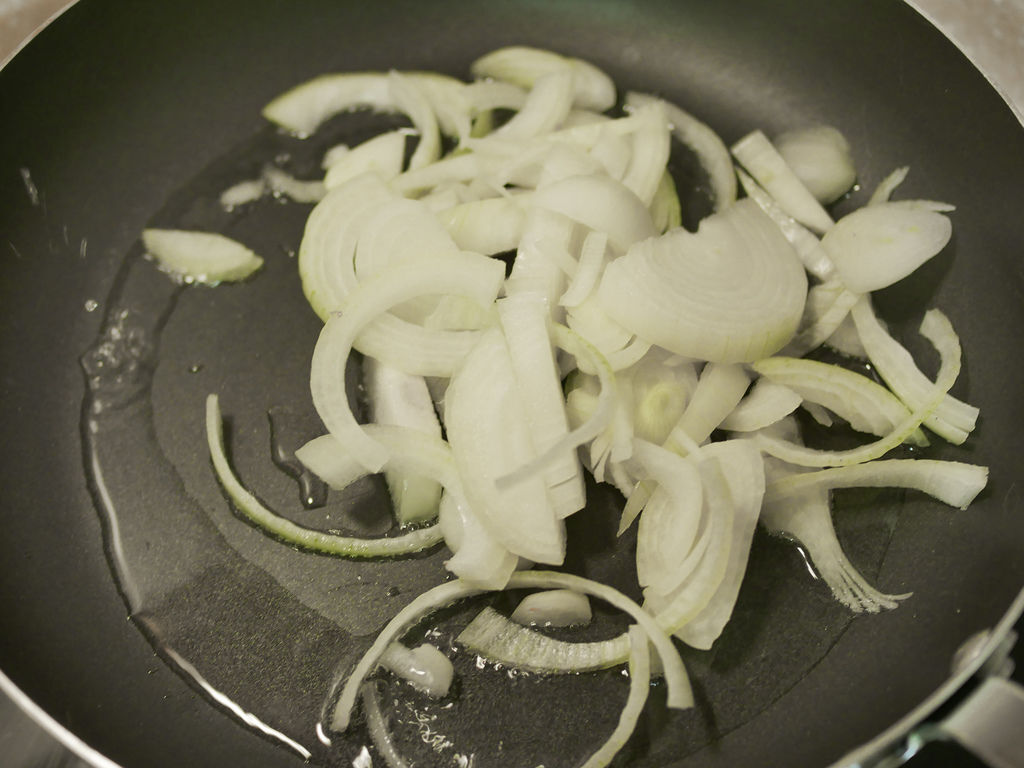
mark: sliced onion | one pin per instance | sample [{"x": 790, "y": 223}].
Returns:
[
  {"x": 200, "y": 257},
  {"x": 382, "y": 155},
  {"x": 820, "y": 157},
  {"x": 402, "y": 399},
  {"x": 951, "y": 482},
  {"x": 743, "y": 469},
  {"x": 601, "y": 203},
  {"x": 285, "y": 529},
  {"x": 866, "y": 405},
  {"x": 553, "y": 608},
  {"x": 936, "y": 328},
  {"x": 424, "y": 666},
  {"x": 639, "y": 684},
  {"x": 477, "y": 557},
  {"x": 710, "y": 150},
  {"x": 680, "y": 694},
  {"x": 732, "y": 292},
  {"x": 952, "y": 419},
  {"x": 486, "y": 226},
  {"x": 766, "y": 403},
  {"x": 487, "y": 425},
  {"x": 545, "y": 108},
  {"x": 719, "y": 390},
  {"x": 888, "y": 185},
  {"x": 524, "y": 66},
  {"x": 465, "y": 274},
  {"x": 763, "y": 161},
  {"x": 877, "y": 245}
]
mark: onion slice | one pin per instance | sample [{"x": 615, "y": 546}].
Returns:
[{"x": 732, "y": 292}]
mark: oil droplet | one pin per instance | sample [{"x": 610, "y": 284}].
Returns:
[
  {"x": 91, "y": 305},
  {"x": 393, "y": 592},
  {"x": 195, "y": 368}
]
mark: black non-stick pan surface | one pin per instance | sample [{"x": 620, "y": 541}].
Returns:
[{"x": 148, "y": 619}]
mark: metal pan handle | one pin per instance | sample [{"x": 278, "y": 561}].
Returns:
[{"x": 990, "y": 723}]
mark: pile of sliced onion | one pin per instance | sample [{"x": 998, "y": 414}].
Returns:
[{"x": 665, "y": 361}]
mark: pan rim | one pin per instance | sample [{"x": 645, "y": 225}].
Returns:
[{"x": 880, "y": 744}]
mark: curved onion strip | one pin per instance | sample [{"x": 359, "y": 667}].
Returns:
[
  {"x": 807, "y": 517},
  {"x": 937, "y": 329},
  {"x": 680, "y": 695},
  {"x": 474, "y": 276},
  {"x": 305, "y": 107},
  {"x": 825, "y": 324},
  {"x": 888, "y": 185},
  {"x": 953, "y": 419},
  {"x": 762, "y": 161},
  {"x": 327, "y": 251},
  {"x": 951, "y": 482},
  {"x": 639, "y": 685},
  {"x": 546, "y": 106},
  {"x": 500, "y": 639},
  {"x": 524, "y": 66},
  {"x": 282, "y": 528},
  {"x": 765, "y": 404},
  {"x": 865, "y": 404},
  {"x": 599, "y": 420},
  {"x": 732, "y": 292},
  {"x": 378, "y": 728},
  {"x": 807, "y": 245},
  {"x": 820, "y": 157},
  {"x": 710, "y": 150}
]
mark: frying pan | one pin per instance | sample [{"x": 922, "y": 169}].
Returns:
[{"x": 148, "y": 621}]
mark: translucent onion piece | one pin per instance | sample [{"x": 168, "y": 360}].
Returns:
[
  {"x": 485, "y": 417},
  {"x": 936, "y": 328},
  {"x": 820, "y": 157},
  {"x": 807, "y": 245},
  {"x": 378, "y": 728},
  {"x": 543, "y": 248},
  {"x": 526, "y": 322},
  {"x": 719, "y": 390},
  {"x": 877, "y": 245},
  {"x": 709, "y": 148},
  {"x": 667, "y": 531},
  {"x": 424, "y": 666},
  {"x": 382, "y": 155},
  {"x": 474, "y": 276},
  {"x": 545, "y": 108},
  {"x": 674, "y": 609},
  {"x": 402, "y": 399},
  {"x": 327, "y": 250},
  {"x": 523, "y": 66},
  {"x": 952, "y": 419},
  {"x": 601, "y": 203},
  {"x": 743, "y": 469},
  {"x": 285, "y": 529},
  {"x": 950, "y": 482},
  {"x": 888, "y": 185},
  {"x": 639, "y": 685},
  {"x": 680, "y": 694},
  {"x": 477, "y": 557},
  {"x": 200, "y": 257},
  {"x": 765, "y": 404},
  {"x": 591, "y": 264},
  {"x": 866, "y": 405},
  {"x": 553, "y": 608},
  {"x": 762, "y": 161},
  {"x": 500, "y": 639},
  {"x": 652, "y": 143},
  {"x": 303, "y": 108},
  {"x": 666, "y": 211},
  {"x": 828, "y": 305},
  {"x": 732, "y": 292},
  {"x": 486, "y": 226},
  {"x": 807, "y": 518},
  {"x": 283, "y": 184}
]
